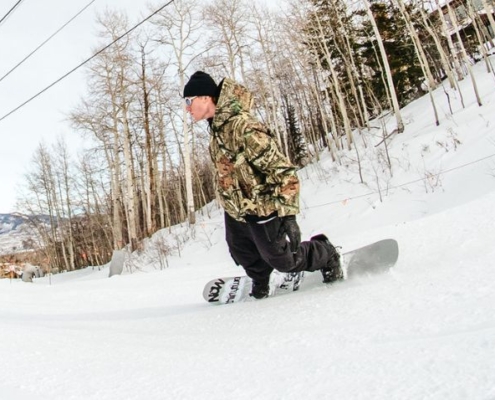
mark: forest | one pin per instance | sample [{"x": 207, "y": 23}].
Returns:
[{"x": 320, "y": 72}]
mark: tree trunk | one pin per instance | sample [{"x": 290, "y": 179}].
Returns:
[{"x": 386, "y": 66}]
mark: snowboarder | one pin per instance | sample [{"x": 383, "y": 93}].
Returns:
[{"x": 257, "y": 187}]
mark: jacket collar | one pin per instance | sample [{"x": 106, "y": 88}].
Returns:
[{"x": 233, "y": 100}]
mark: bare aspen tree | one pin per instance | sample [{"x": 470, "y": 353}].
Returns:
[
  {"x": 352, "y": 72},
  {"x": 300, "y": 43},
  {"x": 334, "y": 129},
  {"x": 340, "y": 30},
  {"x": 479, "y": 35},
  {"x": 163, "y": 152},
  {"x": 264, "y": 36},
  {"x": 314, "y": 101},
  {"x": 130, "y": 205},
  {"x": 489, "y": 10},
  {"x": 94, "y": 117},
  {"x": 320, "y": 42},
  {"x": 150, "y": 188},
  {"x": 43, "y": 183},
  {"x": 417, "y": 45},
  {"x": 228, "y": 29},
  {"x": 95, "y": 223},
  {"x": 466, "y": 60},
  {"x": 35, "y": 204},
  {"x": 452, "y": 49},
  {"x": 485, "y": 36},
  {"x": 51, "y": 184},
  {"x": 150, "y": 88},
  {"x": 108, "y": 116},
  {"x": 119, "y": 86},
  {"x": 446, "y": 65},
  {"x": 423, "y": 61},
  {"x": 187, "y": 173},
  {"x": 179, "y": 33},
  {"x": 65, "y": 183},
  {"x": 307, "y": 98},
  {"x": 390, "y": 83}
]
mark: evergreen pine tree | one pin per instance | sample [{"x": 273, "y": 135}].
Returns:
[
  {"x": 298, "y": 151},
  {"x": 406, "y": 69}
]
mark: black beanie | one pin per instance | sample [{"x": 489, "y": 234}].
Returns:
[{"x": 200, "y": 84}]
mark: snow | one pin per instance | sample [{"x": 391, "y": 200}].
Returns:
[{"x": 425, "y": 330}]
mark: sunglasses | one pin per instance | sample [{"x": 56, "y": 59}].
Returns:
[{"x": 189, "y": 100}]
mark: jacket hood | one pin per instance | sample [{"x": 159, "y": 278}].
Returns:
[{"x": 232, "y": 100}]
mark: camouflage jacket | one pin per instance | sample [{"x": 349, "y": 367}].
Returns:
[{"x": 253, "y": 176}]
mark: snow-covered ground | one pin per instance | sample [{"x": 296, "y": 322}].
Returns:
[{"x": 425, "y": 330}]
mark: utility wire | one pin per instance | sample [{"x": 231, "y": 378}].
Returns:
[
  {"x": 46, "y": 41},
  {"x": 373, "y": 192},
  {"x": 10, "y": 11},
  {"x": 85, "y": 62}
]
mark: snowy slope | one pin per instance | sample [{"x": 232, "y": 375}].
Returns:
[{"x": 426, "y": 330}]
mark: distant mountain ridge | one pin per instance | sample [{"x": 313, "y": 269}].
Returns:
[
  {"x": 10, "y": 222},
  {"x": 16, "y": 234}
]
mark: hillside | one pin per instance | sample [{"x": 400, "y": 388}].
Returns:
[{"x": 422, "y": 331}]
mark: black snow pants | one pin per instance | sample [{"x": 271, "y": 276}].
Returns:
[{"x": 259, "y": 249}]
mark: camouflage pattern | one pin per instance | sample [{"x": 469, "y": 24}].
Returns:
[{"x": 253, "y": 176}]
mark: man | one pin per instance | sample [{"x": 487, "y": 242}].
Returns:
[{"x": 257, "y": 186}]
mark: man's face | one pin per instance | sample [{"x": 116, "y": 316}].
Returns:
[{"x": 199, "y": 107}]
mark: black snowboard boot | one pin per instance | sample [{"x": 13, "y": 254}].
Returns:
[
  {"x": 260, "y": 290},
  {"x": 333, "y": 270}
]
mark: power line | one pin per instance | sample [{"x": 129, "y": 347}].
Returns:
[
  {"x": 46, "y": 41},
  {"x": 84, "y": 62},
  {"x": 10, "y": 11},
  {"x": 374, "y": 192}
]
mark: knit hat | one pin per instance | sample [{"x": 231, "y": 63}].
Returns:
[{"x": 200, "y": 84}]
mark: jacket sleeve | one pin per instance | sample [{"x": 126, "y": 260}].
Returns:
[{"x": 263, "y": 153}]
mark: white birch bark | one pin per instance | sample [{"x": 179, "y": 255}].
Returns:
[
  {"x": 180, "y": 35},
  {"x": 466, "y": 60},
  {"x": 386, "y": 66},
  {"x": 452, "y": 49}
]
